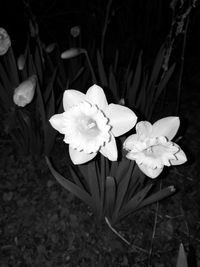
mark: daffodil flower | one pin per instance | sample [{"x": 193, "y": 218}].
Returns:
[
  {"x": 90, "y": 125},
  {"x": 151, "y": 147},
  {"x": 24, "y": 93}
]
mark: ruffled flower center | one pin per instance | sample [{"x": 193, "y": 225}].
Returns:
[
  {"x": 153, "y": 152},
  {"x": 87, "y": 128}
]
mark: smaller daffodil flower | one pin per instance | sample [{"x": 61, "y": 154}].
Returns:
[
  {"x": 24, "y": 93},
  {"x": 90, "y": 124},
  {"x": 151, "y": 147},
  {"x": 5, "y": 42}
]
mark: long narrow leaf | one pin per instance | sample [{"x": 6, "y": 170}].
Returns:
[
  {"x": 78, "y": 74},
  {"x": 41, "y": 105},
  {"x": 5, "y": 99},
  {"x": 135, "y": 201},
  {"x": 38, "y": 62},
  {"x": 156, "y": 68},
  {"x": 136, "y": 183},
  {"x": 134, "y": 86},
  {"x": 116, "y": 60},
  {"x": 110, "y": 195},
  {"x": 77, "y": 179},
  {"x": 165, "y": 192},
  {"x": 94, "y": 185},
  {"x": 12, "y": 68},
  {"x": 71, "y": 187},
  {"x": 4, "y": 79},
  {"x": 48, "y": 90},
  {"x": 49, "y": 131},
  {"x": 113, "y": 86},
  {"x": 101, "y": 71},
  {"x": 122, "y": 189},
  {"x": 164, "y": 81}
]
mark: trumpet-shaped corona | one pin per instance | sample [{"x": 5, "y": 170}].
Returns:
[
  {"x": 151, "y": 147},
  {"x": 90, "y": 124}
]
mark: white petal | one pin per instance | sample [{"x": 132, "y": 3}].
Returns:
[
  {"x": 122, "y": 119},
  {"x": 78, "y": 157},
  {"x": 152, "y": 173},
  {"x": 166, "y": 127},
  {"x": 144, "y": 129},
  {"x": 180, "y": 158},
  {"x": 130, "y": 141},
  {"x": 110, "y": 150},
  {"x": 57, "y": 122},
  {"x": 72, "y": 98},
  {"x": 95, "y": 95}
]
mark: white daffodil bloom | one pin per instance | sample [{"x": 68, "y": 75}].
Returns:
[
  {"x": 24, "y": 93},
  {"x": 90, "y": 125},
  {"x": 151, "y": 146}
]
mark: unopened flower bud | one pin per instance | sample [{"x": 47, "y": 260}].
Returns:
[
  {"x": 50, "y": 48},
  {"x": 75, "y": 31},
  {"x": 24, "y": 93},
  {"x": 5, "y": 42},
  {"x": 72, "y": 52},
  {"x": 33, "y": 28},
  {"x": 20, "y": 62},
  {"x": 122, "y": 102}
]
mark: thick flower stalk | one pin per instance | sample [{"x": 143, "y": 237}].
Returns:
[
  {"x": 24, "y": 93},
  {"x": 151, "y": 147},
  {"x": 90, "y": 125},
  {"x": 5, "y": 42}
]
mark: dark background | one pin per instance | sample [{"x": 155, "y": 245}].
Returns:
[
  {"x": 145, "y": 22},
  {"x": 133, "y": 25}
]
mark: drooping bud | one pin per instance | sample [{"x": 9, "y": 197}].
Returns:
[
  {"x": 20, "y": 62},
  {"x": 5, "y": 42},
  {"x": 24, "y": 93},
  {"x": 122, "y": 102},
  {"x": 72, "y": 52},
  {"x": 50, "y": 47}
]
